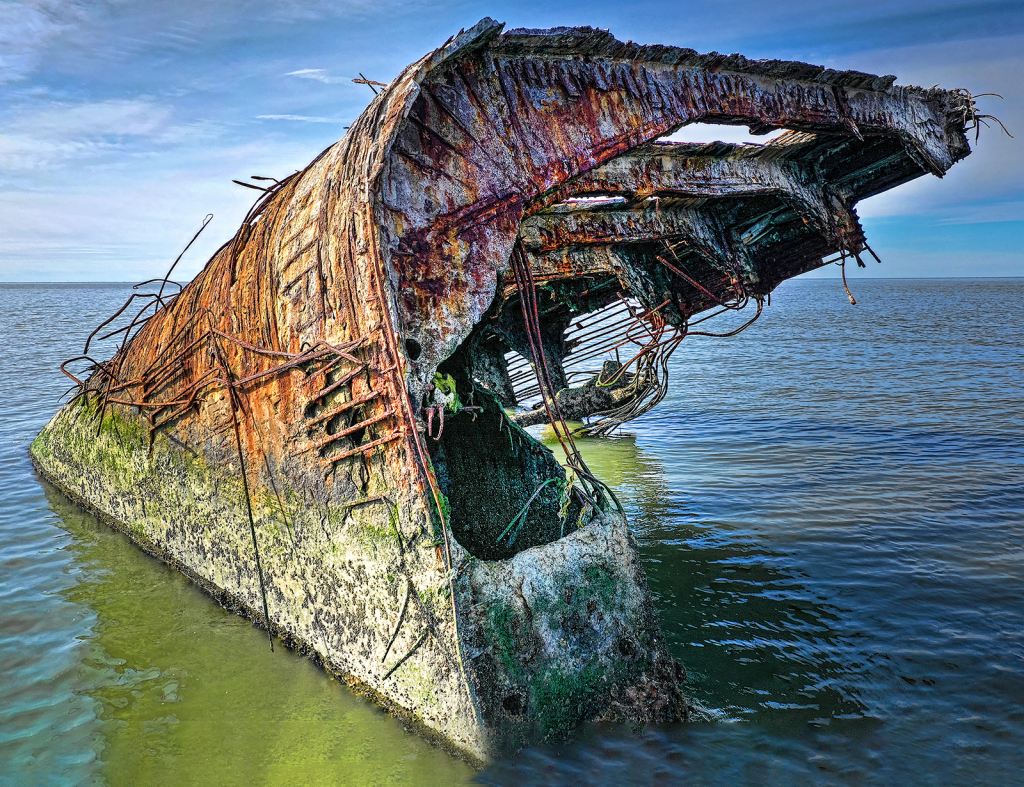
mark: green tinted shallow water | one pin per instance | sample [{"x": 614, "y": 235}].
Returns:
[{"x": 830, "y": 511}]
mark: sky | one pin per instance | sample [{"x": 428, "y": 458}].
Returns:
[{"x": 123, "y": 122}]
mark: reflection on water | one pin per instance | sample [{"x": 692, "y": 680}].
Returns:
[
  {"x": 829, "y": 507},
  {"x": 114, "y": 669}
]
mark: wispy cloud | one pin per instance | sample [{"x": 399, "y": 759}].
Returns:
[
  {"x": 58, "y": 131},
  {"x": 123, "y": 117},
  {"x": 812, "y": 25},
  {"x": 34, "y": 34},
  {"x": 301, "y": 118},
  {"x": 907, "y": 263},
  {"x": 987, "y": 214},
  {"x": 319, "y": 10},
  {"x": 319, "y": 74},
  {"x": 105, "y": 224},
  {"x": 986, "y": 187},
  {"x": 131, "y": 117}
]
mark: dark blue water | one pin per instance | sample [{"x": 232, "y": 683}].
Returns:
[{"x": 830, "y": 508}]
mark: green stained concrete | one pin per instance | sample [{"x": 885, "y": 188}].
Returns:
[{"x": 515, "y": 660}]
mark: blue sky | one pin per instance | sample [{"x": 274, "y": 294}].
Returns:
[{"x": 123, "y": 122}]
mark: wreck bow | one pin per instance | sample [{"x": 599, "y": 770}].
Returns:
[{"x": 314, "y": 428}]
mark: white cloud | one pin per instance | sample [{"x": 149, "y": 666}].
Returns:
[
  {"x": 51, "y": 134},
  {"x": 302, "y": 118},
  {"x": 20, "y": 152},
  {"x": 994, "y": 172},
  {"x": 34, "y": 33},
  {"x": 25, "y": 30},
  {"x": 134, "y": 117},
  {"x": 316, "y": 10},
  {"x": 906, "y": 263},
  {"x": 319, "y": 74},
  {"x": 129, "y": 224},
  {"x": 119, "y": 184},
  {"x": 987, "y": 214}
]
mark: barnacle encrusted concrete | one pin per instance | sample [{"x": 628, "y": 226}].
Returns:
[{"x": 315, "y": 429}]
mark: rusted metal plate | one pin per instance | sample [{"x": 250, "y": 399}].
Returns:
[{"x": 492, "y": 132}]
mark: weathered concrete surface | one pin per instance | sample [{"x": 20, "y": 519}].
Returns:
[
  {"x": 336, "y": 575},
  {"x": 312, "y": 430},
  {"x": 580, "y": 601}
]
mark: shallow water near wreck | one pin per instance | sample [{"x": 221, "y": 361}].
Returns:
[{"x": 830, "y": 508}]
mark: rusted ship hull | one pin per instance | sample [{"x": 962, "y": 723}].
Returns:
[{"x": 315, "y": 429}]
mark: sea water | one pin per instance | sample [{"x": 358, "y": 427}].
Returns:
[{"x": 829, "y": 507}]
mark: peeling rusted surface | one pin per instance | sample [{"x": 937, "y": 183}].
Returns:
[
  {"x": 501, "y": 187},
  {"x": 532, "y": 110}
]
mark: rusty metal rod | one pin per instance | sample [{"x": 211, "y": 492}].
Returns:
[
  {"x": 347, "y": 431},
  {"x": 330, "y": 460},
  {"x": 342, "y": 408}
]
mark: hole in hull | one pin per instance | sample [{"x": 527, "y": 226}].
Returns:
[{"x": 505, "y": 490}]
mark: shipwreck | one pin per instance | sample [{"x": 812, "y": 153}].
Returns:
[{"x": 321, "y": 428}]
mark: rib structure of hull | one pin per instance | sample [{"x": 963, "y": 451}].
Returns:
[{"x": 317, "y": 428}]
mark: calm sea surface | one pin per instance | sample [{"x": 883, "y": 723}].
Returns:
[{"x": 830, "y": 509}]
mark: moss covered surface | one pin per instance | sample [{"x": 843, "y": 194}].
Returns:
[
  {"x": 565, "y": 629},
  {"x": 335, "y": 573},
  {"x": 560, "y": 695}
]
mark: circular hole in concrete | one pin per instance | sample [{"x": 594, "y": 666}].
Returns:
[{"x": 513, "y": 704}]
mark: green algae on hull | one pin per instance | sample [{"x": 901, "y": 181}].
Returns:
[{"x": 531, "y": 675}]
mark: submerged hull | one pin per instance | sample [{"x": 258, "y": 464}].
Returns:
[
  {"x": 507, "y": 653},
  {"x": 314, "y": 429}
]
